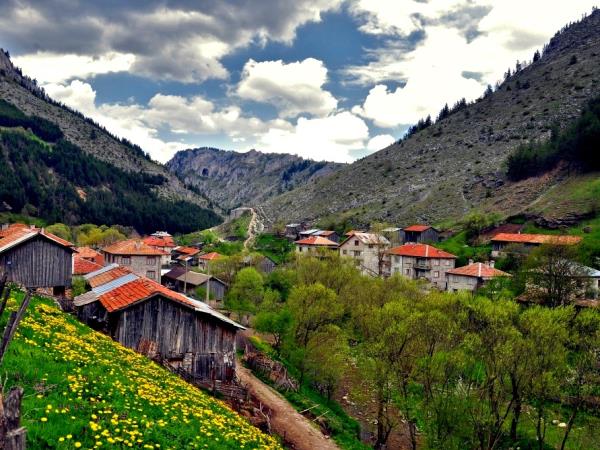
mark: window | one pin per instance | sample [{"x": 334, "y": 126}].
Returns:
[
  {"x": 436, "y": 274},
  {"x": 357, "y": 253},
  {"x": 398, "y": 259},
  {"x": 344, "y": 252},
  {"x": 356, "y": 243},
  {"x": 447, "y": 262},
  {"x": 151, "y": 274},
  {"x": 436, "y": 262},
  {"x": 407, "y": 271},
  {"x": 370, "y": 245},
  {"x": 126, "y": 260},
  {"x": 150, "y": 260}
]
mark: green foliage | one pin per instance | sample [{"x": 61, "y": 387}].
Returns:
[
  {"x": 277, "y": 248},
  {"x": 61, "y": 230},
  {"x": 95, "y": 236},
  {"x": 10, "y": 116},
  {"x": 576, "y": 145},
  {"x": 78, "y": 286},
  {"x": 459, "y": 245},
  {"x": 60, "y": 183},
  {"x": 247, "y": 291}
]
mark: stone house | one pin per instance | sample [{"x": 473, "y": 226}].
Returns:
[
  {"x": 141, "y": 258},
  {"x": 205, "y": 260},
  {"x": 472, "y": 277},
  {"x": 164, "y": 243},
  {"x": 313, "y": 244},
  {"x": 422, "y": 261},
  {"x": 186, "y": 255},
  {"x": 369, "y": 252}
]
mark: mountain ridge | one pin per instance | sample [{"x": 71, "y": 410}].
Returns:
[
  {"x": 456, "y": 165},
  {"x": 233, "y": 179}
]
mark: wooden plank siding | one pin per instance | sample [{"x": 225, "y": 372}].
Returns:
[
  {"x": 197, "y": 343},
  {"x": 38, "y": 263}
]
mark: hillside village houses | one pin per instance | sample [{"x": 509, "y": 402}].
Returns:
[
  {"x": 473, "y": 276},
  {"x": 142, "y": 258},
  {"x": 422, "y": 261},
  {"x": 313, "y": 244},
  {"x": 419, "y": 233},
  {"x": 205, "y": 260},
  {"x": 368, "y": 250},
  {"x": 159, "y": 323},
  {"x": 164, "y": 243},
  {"x": 188, "y": 281},
  {"x": 502, "y": 242},
  {"x": 187, "y": 256}
]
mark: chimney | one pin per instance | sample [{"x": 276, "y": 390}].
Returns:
[
  {"x": 470, "y": 260},
  {"x": 492, "y": 263}
]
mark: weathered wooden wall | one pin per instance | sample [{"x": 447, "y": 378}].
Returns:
[
  {"x": 198, "y": 343},
  {"x": 38, "y": 263}
]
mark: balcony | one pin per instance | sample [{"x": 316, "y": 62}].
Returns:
[{"x": 422, "y": 265}]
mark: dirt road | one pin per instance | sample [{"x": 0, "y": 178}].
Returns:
[{"x": 285, "y": 420}]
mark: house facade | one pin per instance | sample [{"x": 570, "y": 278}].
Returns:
[
  {"x": 161, "y": 324},
  {"x": 35, "y": 258},
  {"x": 205, "y": 260},
  {"x": 141, "y": 258},
  {"x": 314, "y": 244},
  {"x": 368, "y": 251},
  {"x": 163, "y": 243},
  {"x": 188, "y": 281},
  {"x": 472, "y": 277},
  {"x": 419, "y": 234},
  {"x": 422, "y": 261},
  {"x": 501, "y": 241}
]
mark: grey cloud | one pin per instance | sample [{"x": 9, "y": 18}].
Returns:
[
  {"x": 465, "y": 18},
  {"x": 477, "y": 76}
]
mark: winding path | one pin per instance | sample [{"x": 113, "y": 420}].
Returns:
[{"x": 296, "y": 429}]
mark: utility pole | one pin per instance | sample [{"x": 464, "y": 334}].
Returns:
[
  {"x": 208, "y": 282},
  {"x": 185, "y": 277}
]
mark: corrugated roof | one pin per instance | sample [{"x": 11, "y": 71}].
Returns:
[
  {"x": 108, "y": 276},
  {"x": 317, "y": 241},
  {"x": 117, "y": 282},
  {"x": 417, "y": 228},
  {"x": 133, "y": 247},
  {"x": 420, "y": 251},
  {"x": 523, "y": 238},
  {"x": 100, "y": 271},
  {"x": 478, "y": 270}
]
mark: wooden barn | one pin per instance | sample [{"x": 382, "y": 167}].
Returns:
[
  {"x": 419, "y": 234},
  {"x": 187, "y": 281},
  {"x": 35, "y": 258},
  {"x": 160, "y": 323}
]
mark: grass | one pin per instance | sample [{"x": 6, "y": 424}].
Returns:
[
  {"x": 274, "y": 247},
  {"x": 83, "y": 390},
  {"x": 344, "y": 429},
  {"x": 458, "y": 245},
  {"x": 580, "y": 194}
]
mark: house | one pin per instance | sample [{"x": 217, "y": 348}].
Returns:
[
  {"x": 164, "y": 243},
  {"x": 529, "y": 241},
  {"x": 393, "y": 234},
  {"x": 260, "y": 262},
  {"x": 329, "y": 234},
  {"x": 419, "y": 234},
  {"x": 187, "y": 281},
  {"x": 368, "y": 250},
  {"x": 141, "y": 258},
  {"x": 236, "y": 213},
  {"x": 170, "y": 327},
  {"x": 186, "y": 255},
  {"x": 472, "y": 277},
  {"x": 205, "y": 260},
  {"x": 292, "y": 230},
  {"x": 313, "y": 244},
  {"x": 34, "y": 258},
  {"x": 585, "y": 280},
  {"x": 90, "y": 254},
  {"x": 422, "y": 261}
]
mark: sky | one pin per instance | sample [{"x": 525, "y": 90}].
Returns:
[{"x": 324, "y": 79}]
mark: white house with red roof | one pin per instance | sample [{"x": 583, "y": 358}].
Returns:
[
  {"x": 313, "y": 244},
  {"x": 422, "y": 261},
  {"x": 473, "y": 276}
]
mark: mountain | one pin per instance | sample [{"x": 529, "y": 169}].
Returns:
[
  {"x": 61, "y": 166},
  {"x": 457, "y": 164},
  {"x": 233, "y": 179}
]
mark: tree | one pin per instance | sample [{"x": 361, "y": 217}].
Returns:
[
  {"x": 247, "y": 291},
  {"x": 274, "y": 318},
  {"x": 61, "y": 230},
  {"x": 326, "y": 355},
  {"x": 536, "y": 56},
  {"x": 553, "y": 276},
  {"x": 312, "y": 307}
]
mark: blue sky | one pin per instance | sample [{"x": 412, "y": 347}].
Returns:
[{"x": 325, "y": 79}]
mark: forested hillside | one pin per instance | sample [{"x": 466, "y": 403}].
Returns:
[
  {"x": 45, "y": 175},
  {"x": 456, "y": 162}
]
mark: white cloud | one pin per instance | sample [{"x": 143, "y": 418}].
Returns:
[
  {"x": 294, "y": 88},
  {"x": 380, "y": 141},
  {"x": 328, "y": 138},
  {"x": 53, "y": 68}
]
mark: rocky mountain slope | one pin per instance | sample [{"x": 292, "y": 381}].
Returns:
[
  {"x": 22, "y": 92},
  {"x": 456, "y": 164},
  {"x": 232, "y": 179}
]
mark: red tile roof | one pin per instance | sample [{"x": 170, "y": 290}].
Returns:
[
  {"x": 136, "y": 291},
  {"x": 420, "y": 251},
  {"x": 317, "y": 241},
  {"x": 159, "y": 241},
  {"x": 536, "y": 239},
  {"x": 190, "y": 251},
  {"x": 109, "y": 276},
  {"x": 417, "y": 228},
  {"x": 83, "y": 266},
  {"x": 479, "y": 270},
  {"x": 18, "y": 232},
  {"x": 132, "y": 247},
  {"x": 210, "y": 256}
]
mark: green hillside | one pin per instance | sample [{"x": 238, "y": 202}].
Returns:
[{"x": 82, "y": 390}]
